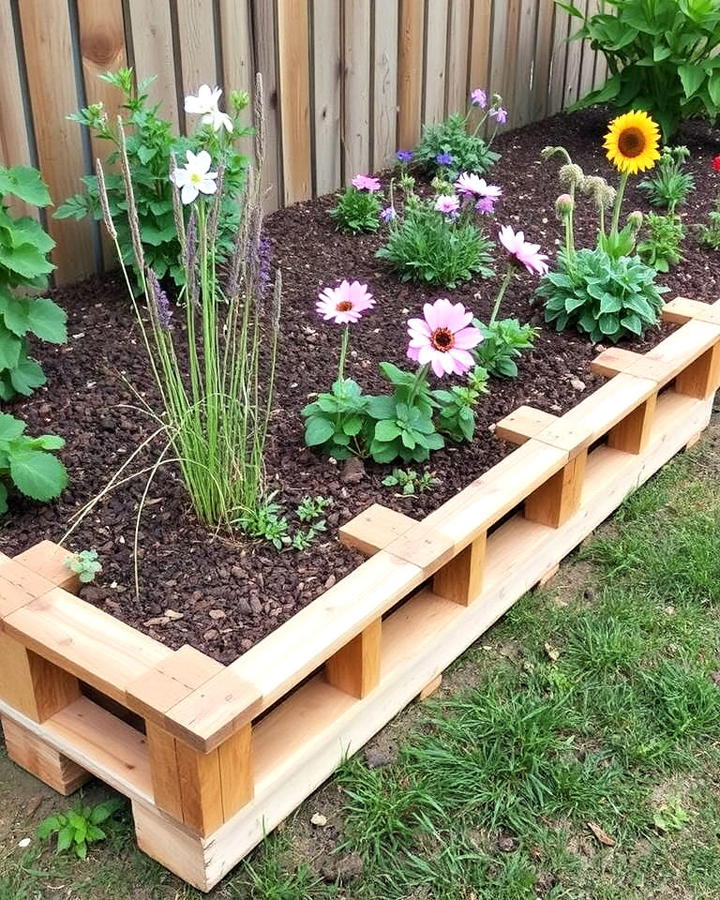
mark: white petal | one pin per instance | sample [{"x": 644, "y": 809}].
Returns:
[
  {"x": 203, "y": 161},
  {"x": 207, "y": 186},
  {"x": 180, "y": 177},
  {"x": 188, "y": 193}
]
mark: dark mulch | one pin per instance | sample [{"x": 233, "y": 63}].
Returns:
[{"x": 231, "y": 594}]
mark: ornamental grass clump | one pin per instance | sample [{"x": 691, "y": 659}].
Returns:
[
  {"x": 607, "y": 292},
  {"x": 214, "y": 360},
  {"x": 450, "y": 147}
]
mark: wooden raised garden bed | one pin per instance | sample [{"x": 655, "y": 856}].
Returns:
[{"x": 213, "y": 757}]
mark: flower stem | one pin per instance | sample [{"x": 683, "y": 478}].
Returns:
[
  {"x": 501, "y": 293},
  {"x": 343, "y": 352},
  {"x": 420, "y": 377},
  {"x": 618, "y": 203}
]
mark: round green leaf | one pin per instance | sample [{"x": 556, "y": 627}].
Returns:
[
  {"x": 318, "y": 430},
  {"x": 37, "y": 474}
]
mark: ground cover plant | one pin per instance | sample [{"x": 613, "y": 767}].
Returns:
[
  {"x": 661, "y": 57},
  {"x": 24, "y": 269},
  {"x": 661, "y": 244},
  {"x": 149, "y": 145},
  {"x": 28, "y": 465},
  {"x": 669, "y": 185}
]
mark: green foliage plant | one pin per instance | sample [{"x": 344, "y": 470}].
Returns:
[
  {"x": 669, "y": 185},
  {"x": 24, "y": 269},
  {"x": 215, "y": 373},
  {"x": 79, "y": 827},
  {"x": 27, "y": 464},
  {"x": 661, "y": 56},
  {"x": 266, "y": 520},
  {"x": 85, "y": 564},
  {"x": 149, "y": 146},
  {"x": 709, "y": 233},
  {"x": 410, "y": 481},
  {"x": 661, "y": 247},
  {"x": 429, "y": 247},
  {"x": 451, "y": 147},
  {"x": 504, "y": 341},
  {"x": 357, "y": 211},
  {"x": 336, "y": 422}
]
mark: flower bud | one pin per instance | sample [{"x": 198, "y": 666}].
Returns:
[
  {"x": 635, "y": 219},
  {"x": 564, "y": 206},
  {"x": 572, "y": 175}
]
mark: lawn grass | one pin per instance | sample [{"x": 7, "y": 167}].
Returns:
[{"x": 589, "y": 714}]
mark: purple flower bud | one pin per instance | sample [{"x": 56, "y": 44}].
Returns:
[
  {"x": 388, "y": 214},
  {"x": 478, "y": 97},
  {"x": 500, "y": 114},
  {"x": 404, "y": 156},
  {"x": 160, "y": 299},
  {"x": 444, "y": 159}
]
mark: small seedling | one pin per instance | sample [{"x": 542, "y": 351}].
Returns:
[
  {"x": 410, "y": 481},
  {"x": 79, "y": 827},
  {"x": 303, "y": 539},
  {"x": 85, "y": 564},
  {"x": 312, "y": 508},
  {"x": 267, "y": 522},
  {"x": 670, "y": 817}
]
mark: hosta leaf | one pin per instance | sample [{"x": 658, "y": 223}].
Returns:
[
  {"x": 318, "y": 430},
  {"x": 37, "y": 474},
  {"x": 691, "y": 76}
]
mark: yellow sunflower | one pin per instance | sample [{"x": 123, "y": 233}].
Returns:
[{"x": 632, "y": 142}]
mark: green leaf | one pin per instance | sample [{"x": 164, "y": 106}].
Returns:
[
  {"x": 48, "y": 442},
  {"x": 37, "y": 474},
  {"x": 3, "y": 499},
  {"x": 386, "y": 430},
  {"x": 692, "y": 77},
  {"x": 570, "y": 8},
  {"x": 714, "y": 88},
  {"x": 353, "y": 425},
  {"x": 47, "y": 320},
  {"x": 318, "y": 430},
  {"x": 26, "y": 260},
  {"x": 65, "y": 838},
  {"x": 27, "y": 375},
  {"x": 25, "y": 183},
  {"x": 10, "y": 427},
  {"x": 10, "y": 347}
]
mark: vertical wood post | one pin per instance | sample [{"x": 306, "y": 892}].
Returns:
[
  {"x": 355, "y": 668},
  {"x": 555, "y": 501},
  {"x": 702, "y": 378},
  {"x": 633, "y": 432},
  {"x": 461, "y": 579},
  {"x": 32, "y": 753}
]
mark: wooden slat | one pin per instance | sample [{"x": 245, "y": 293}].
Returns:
[
  {"x": 587, "y": 66},
  {"x": 461, "y": 579},
  {"x": 436, "y": 26},
  {"x": 480, "y": 73},
  {"x": 457, "y": 72},
  {"x": 293, "y": 37},
  {"x": 201, "y": 789},
  {"x": 237, "y": 54},
  {"x": 385, "y": 83},
  {"x": 574, "y": 62},
  {"x": 151, "y": 29},
  {"x": 83, "y": 640},
  {"x": 701, "y": 379},
  {"x": 32, "y": 685},
  {"x": 27, "y": 750},
  {"x": 355, "y": 669},
  {"x": 558, "y": 61},
  {"x": 54, "y": 95},
  {"x": 506, "y": 32},
  {"x": 48, "y": 560},
  {"x": 374, "y": 529},
  {"x": 326, "y": 98},
  {"x": 19, "y": 586},
  {"x": 540, "y": 99},
  {"x": 236, "y": 771},
  {"x": 198, "y": 64},
  {"x": 681, "y": 310},
  {"x": 559, "y": 497},
  {"x": 524, "y": 423},
  {"x": 102, "y": 49},
  {"x": 524, "y": 63},
  {"x": 14, "y": 137},
  {"x": 356, "y": 125},
  {"x": 410, "y": 53},
  {"x": 266, "y": 64},
  {"x": 632, "y": 433},
  {"x": 164, "y": 770}
]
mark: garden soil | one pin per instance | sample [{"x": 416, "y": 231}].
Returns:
[{"x": 224, "y": 593}]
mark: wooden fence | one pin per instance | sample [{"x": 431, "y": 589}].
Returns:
[{"x": 348, "y": 81}]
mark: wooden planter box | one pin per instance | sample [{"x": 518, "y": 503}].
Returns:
[{"x": 213, "y": 757}]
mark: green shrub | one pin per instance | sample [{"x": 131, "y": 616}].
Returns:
[
  {"x": 357, "y": 211},
  {"x": 710, "y": 234},
  {"x": 428, "y": 247},
  {"x": 502, "y": 344},
  {"x": 24, "y": 267},
  {"x": 27, "y": 464},
  {"x": 150, "y": 147},
  {"x": 660, "y": 248},
  {"x": 469, "y": 152},
  {"x": 661, "y": 54},
  {"x": 669, "y": 186},
  {"x": 605, "y": 298}
]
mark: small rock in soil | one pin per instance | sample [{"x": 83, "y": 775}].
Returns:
[
  {"x": 377, "y": 757},
  {"x": 353, "y": 471},
  {"x": 577, "y": 384},
  {"x": 506, "y": 844},
  {"x": 319, "y": 820},
  {"x": 341, "y": 868}
]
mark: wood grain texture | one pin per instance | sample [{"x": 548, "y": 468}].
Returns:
[
  {"x": 461, "y": 579},
  {"x": 356, "y": 668},
  {"x": 525, "y": 71},
  {"x": 326, "y": 106},
  {"x": 372, "y": 530},
  {"x": 356, "y": 124},
  {"x": 459, "y": 38},
  {"x": 385, "y": 83},
  {"x": 198, "y": 62},
  {"x": 410, "y": 72},
  {"x": 29, "y": 751},
  {"x": 31, "y": 684},
  {"x": 480, "y": 70},
  {"x": 293, "y": 37},
  {"x": 153, "y": 53},
  {"x": 263, "y": 24},
  {"x": 540, "y": 99},
  {"x": 54, "y": 95},
  {"x": 164, "y": 771},
  {"x": 554, "y": 502},
  {"x": 632, "y": 433},
  {"x": 558, "y": 61},
  {"x": 435, "y": 62},
  {"x": 573, "y": 65}
]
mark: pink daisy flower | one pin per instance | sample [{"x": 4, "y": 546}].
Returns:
[
  {"x": 472, "y": 185},
  {"x": 485, "y": 205},
  {"x": 366, "y": 183},
  {"x": 345, "y": 303},
  {"x": 447, "y": 204},
  {"x": 444, "y": 338},
  {"x": 522, "y": 252}
]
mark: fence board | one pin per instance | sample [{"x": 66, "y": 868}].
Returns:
[
  {"x": 524, "y": 62},
  {"x": 457, "y": 56},
  {"x": 436, "y": 27},
  {"x": 266, "y": 63},
  {"x": 198, "y": 62},
  {"x": 480, "y": 74},
  {"x": 587, "y": 68},
  {"x": 574, "y": 62},
  {"x": 53, "y": 93},
  {"x": 558, "y": 62},
  {"x": 238, "y": 68},
  {"x": 153, "y": 53},
  {"x": 292, "y": 31},
  {"x": 14, "y": 137},
  {"x": 357, "y": 88},
  {"x": 326, "y": 95},
  {"x": 410, "y": 52},
  {"x": 102, "y": 49},
  {"x": 385, "y": 82},
  {"x": 543, "y": 58}
]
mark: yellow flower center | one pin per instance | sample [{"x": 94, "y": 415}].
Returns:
[{"x": 196, "y": 178}]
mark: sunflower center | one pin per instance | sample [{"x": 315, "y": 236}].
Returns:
[
  {"x": 344, "y": 306},
  {"x": 443, "y": 339},
  {"x": 631, "y": 142}
]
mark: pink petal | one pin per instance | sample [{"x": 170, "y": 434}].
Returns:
[{"x": 467, "y": 338}]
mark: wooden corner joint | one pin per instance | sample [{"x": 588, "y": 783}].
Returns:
[
  {"x": 47, "y": 559},
  {"x": 375, "y": 529},
  {"x": 682, "y": 309}
]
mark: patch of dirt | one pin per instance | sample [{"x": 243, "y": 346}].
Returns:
[{"x": 183, "y": 566}]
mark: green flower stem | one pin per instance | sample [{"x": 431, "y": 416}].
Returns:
[
  {"x": 344, "y": 344},
  {"x": 420, "y": 377},
  {"x": 501, "y": 293},
  {"x": 618, "y": 203}
]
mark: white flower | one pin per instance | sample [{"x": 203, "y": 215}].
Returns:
[
  {"x": 205, "y": 104},
  {"x": 195, "y": 177}
]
